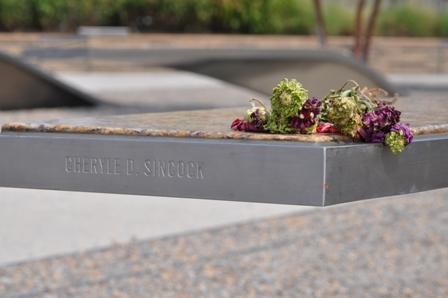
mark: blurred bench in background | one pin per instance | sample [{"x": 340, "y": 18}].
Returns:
[{"x": 23, "y": 86}]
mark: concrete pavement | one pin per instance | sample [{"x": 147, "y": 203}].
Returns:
[{"x": 40, "y": 223}]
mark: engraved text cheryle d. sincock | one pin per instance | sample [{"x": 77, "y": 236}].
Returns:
[{"x": 112, "y": 166}]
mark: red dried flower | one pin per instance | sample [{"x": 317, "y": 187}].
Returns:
[
  {"x": 237, "y": 125},
  {"x": 325, "y": 127}
]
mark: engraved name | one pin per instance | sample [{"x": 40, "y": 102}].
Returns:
[
  {"x": 174, "y": 168},
  {"x": 111, "y": 166},
  {"x": 96, "y": 166}
]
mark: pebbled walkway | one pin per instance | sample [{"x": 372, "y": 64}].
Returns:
[{"x": 392, "y": 247}]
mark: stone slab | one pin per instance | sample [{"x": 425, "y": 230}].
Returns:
[
  {"x": 427, "y": 113},
  {"x": 203, "y": 124}
]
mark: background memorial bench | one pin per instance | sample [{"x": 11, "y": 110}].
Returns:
[{"x": 24, "y": 86}]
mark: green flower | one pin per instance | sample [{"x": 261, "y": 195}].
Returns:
[
  {"x": 346, "y": 116},
  {"x": 398, "y": 138},
  {"x": 345, "y": 107},
  {"x": 286, "y": 101},
  {"x": 396, "y": 142}
]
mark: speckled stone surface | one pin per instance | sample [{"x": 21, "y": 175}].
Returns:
[
  {"x": 393, "y": 247},
  {"x": 213, "y": 124},
  {"x": 427, "y": 115}
]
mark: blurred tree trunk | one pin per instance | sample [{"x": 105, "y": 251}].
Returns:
[
  {"x": 363, "y": 40},
  {"x": 320, "y": 23},
  {"x": 357, "y": 48},
  {"x": 370, "y": 29}
]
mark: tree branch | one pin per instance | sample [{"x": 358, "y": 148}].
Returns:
[
  {"x": 320, "y": 23},
  {"x": 357, "y": 48},
  {"x": 370, "y": 29}
]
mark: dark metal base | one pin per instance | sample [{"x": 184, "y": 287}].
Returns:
[
  {"x": 23, "y": 86},
  {"x": 268, "y": 172}
]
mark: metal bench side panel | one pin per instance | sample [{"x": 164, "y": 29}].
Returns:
[
  {"x": 225, "y": 170},
  {"x": 367, "y": 171}
]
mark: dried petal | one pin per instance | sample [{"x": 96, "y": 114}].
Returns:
[
  {"x": 237, "y": 125},
  {"x": 377, "y": 123},
  {"x": 306, "y": 121},
  {"x": 326, "y": 127}
]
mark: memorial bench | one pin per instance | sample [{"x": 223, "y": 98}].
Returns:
[
  {"x": 25, "y": 86},
  {"x": 194, "y": 154}
]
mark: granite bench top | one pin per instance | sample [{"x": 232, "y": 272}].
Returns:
[{"x": 426, "y": 116}]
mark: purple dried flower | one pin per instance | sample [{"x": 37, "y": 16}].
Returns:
[
  {"x": 377, "y": 123},
  {"x": 254, "y": 122},
  {"x": 308, "y": 117},
  {"x": 387, "y": 115}
]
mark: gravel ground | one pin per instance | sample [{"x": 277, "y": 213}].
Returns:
[{"x": 392, "y": 247}]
